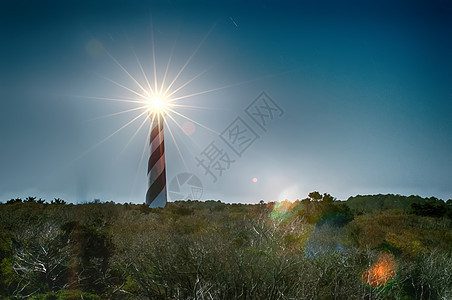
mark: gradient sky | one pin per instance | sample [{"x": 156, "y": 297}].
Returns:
[{"x": 365, "y": 86}]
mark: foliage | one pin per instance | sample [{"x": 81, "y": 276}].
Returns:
[
  {"x": 315, "y": 248},
  {"x": 371, "y": 203},
  {"x": 66, "y": 295},
  {"x": 432, "y": 209}
]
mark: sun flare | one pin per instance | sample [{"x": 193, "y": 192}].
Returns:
[
  {"x": 157, "y": 99},
  {"x": 156, "y": 104}
]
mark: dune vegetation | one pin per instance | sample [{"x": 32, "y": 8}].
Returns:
[{"x": 369, "y": 247}]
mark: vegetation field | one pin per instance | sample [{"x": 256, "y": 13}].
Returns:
[{"x": 368, "y": 247}]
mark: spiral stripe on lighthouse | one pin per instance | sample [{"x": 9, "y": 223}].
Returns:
[{"x": 156, "y": 194}]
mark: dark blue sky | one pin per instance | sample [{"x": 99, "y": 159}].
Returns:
[{"x": 365, "y": 88}]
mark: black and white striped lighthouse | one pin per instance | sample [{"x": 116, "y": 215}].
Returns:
[{"x": 156, "y": 194}]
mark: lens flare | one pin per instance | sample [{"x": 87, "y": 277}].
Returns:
[
  {"x": 188, "y": 128},
  {"x": 381, "y": 272},
  {"x": 157, "y": 97},
  {"x": 282, "y": 210}
]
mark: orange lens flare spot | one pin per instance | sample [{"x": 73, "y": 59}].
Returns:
[
  {"x": 254, "y": 179},
  {"x": 382, "y": 272}
]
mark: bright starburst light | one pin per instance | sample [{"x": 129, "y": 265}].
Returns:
[
  {"x": 156, "y": 97},
  {"x": 157, "y": 105}
]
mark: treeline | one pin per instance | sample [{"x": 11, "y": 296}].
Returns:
[
  {"x": 315, "y": 248},
  {"x": 432, "y": 206}
]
